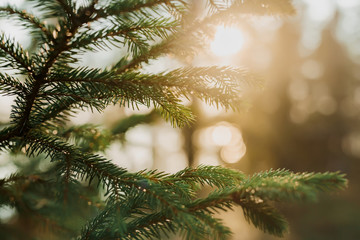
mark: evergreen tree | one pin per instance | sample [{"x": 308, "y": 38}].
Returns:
[{"x": 83, "y": 195}]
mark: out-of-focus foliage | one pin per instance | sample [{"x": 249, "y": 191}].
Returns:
[{"x": 311, "y": 122}]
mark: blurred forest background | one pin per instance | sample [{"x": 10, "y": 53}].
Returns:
[{"x": 305, "y": 118}]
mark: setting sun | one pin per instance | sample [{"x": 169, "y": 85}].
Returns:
[{"x": 227, "y": 41}]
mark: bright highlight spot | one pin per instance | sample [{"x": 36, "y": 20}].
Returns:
[
  {"x": 6, "y": 213},
  {"x": 227, "y": 41},
  {"x": 229, "y": 138},
  {"x": 232, "y": 154},
  {"x": 221, "y": 135}
]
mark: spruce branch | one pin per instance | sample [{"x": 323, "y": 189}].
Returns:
[
  {"x": 128, "y": 89},
  {"x": 11, "y": 187},
  {"x": 215, "y": 85},
  {"x": 254, "y": 194},
  {"x": 215, "y": 227},
  {"x": 50, "y": 8},
  {"x": 264, "y": 217},
  {"x": 134, "y": 31},
  {"x": 117, "y": 7},
  {"x": 182, "y": 43},
  {"x": 40, "y": 77},
  {"x": 57, "y": 112},
  {"x": 191, "y": 225},
  {"x": 229, "y": 13},
  {"x": 13, "y": 178},
  {"x": 68, "y": 6},
  {"x": 14, "y": 56},
  {"x": 207, "y": 175},
  {"x": 283, "y": 185},
  {"x": 97, "y": 227},
  {"x": 5, "y": 135},
  {"x": 29, "y": 20},
  {"x": 123, "y": 125},
  {"x": 11, "y": 86},
  {"x": 256, "y": 211},
  {"x": 89, "y": 166},
  {"x": 214, "y": 5}
]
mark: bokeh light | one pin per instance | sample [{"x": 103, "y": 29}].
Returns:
[
  {"x": 232, "y": 154},
  {"x": 227, "y": 41},
  {"x": 221, "y": 135}
]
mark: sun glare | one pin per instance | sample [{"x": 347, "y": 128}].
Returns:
[{"x": 227, "y": 41}]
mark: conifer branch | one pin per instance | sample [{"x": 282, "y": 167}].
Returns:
[
  {"x": 88, "y": 137},
  {"x": 180, "y": 43},
  {"x": 17, "y": 177},
  {"x": 214, "y": 228},
  {"x": 30, "y": 20},
  {"x": 11, "y": 86},
  {"x": 120, "y": 7},
  {"x": 214, "y": 5},
  {"x": 217, "y": 85},
  {"x": 88, "y": 166},
  {"x": 57, "y": 112},
  {"x": 15, "y": 55},
  {"x": 278, "y": 185},
  {"x": 264, "y": 217},
  {"x": 127, "y": 123},
  {"x": 50, "y": 8},
  {"x": 97, "y": 227},
  {"x": 236, "y": 9},
  {"x": 256, "y": 211},
  {"x": 10, "y": 187},
  {"x": 5, "y": 135},
  {"x": 210, "y": 175},
  {"x": 134, "y": 31},
  {"x": 68, "y": 7},
  {"x": 41, "y": 76},
  {"x": 282, "y": 185}
]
